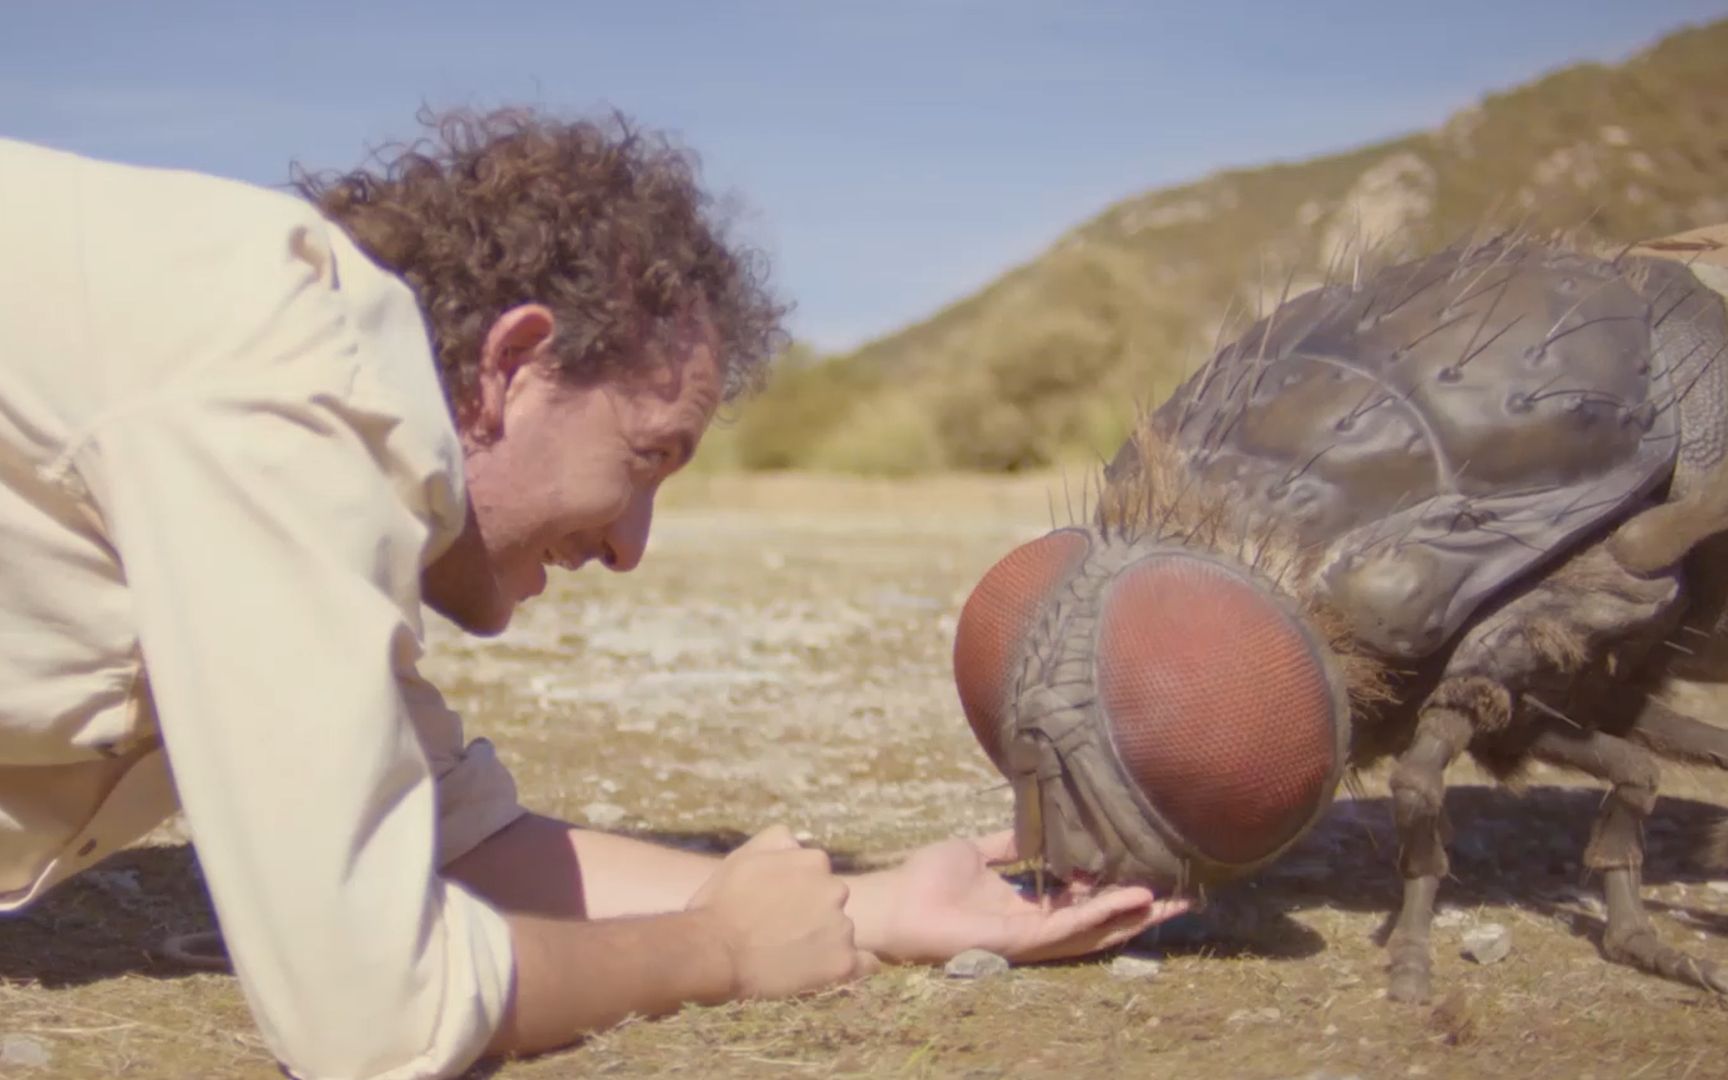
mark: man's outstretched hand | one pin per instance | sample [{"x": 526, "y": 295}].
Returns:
[{"x": 947, "y": 898}]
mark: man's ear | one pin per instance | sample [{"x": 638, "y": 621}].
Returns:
[{"x": 515, "y": 338}]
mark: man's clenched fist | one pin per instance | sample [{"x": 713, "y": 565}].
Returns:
[{"x": 779, "y": 909}]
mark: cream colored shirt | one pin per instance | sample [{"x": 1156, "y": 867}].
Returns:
[{"x": 224, "y": 460}]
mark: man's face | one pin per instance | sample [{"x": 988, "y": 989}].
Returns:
[{"x": 560, "y": 474}]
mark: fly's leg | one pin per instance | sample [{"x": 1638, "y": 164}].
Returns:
[
  {"x": 1418, "y": 792},
  {"x": 1616, "y": 849}
]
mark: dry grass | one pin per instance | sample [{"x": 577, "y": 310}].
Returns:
[{"x": 783, "y": 656}]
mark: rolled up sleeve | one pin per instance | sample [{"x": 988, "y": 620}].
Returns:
[
  {"x": 273, "y": 563},
  {"x": 476, "y": 792}
]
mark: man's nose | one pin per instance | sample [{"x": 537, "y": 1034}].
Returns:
[{"x": 627, "y": 538}]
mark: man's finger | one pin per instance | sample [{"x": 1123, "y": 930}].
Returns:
[
  {"x": 1123, "y": 929},
  {"x": 998, "y": 847},
  {"x": 1123, "y": 898},
  {"x": 1085, "y": 929},
  {"x": 1104, "y": 907},
  {"x": 1112, "y": 897},
  {"x": 773, "y": 838},
  {"x": 866, "y": 964},
  {"x": 1074, "y": 921},
  {"x": 1112, "y": 918}
]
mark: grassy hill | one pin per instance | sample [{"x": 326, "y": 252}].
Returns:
[{"x": 1052, "y": 361}]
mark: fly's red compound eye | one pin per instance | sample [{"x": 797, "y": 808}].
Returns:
[
  {"x": 1218, "y": 705},
  {"x": 993, "y": 626}
]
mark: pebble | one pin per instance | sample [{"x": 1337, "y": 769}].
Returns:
[
  {"x": 120, "y": 884},
  {"x": 24, "y": 1052},
  {"x": 1487, "y": 944},
  {"x": 1135, "y": 967},
  {"x": 1449, "y": 918},
  {"x": 975, "y": 964},
  {"x": 604, "y": 815},
  {"x": 1590, "y": 902},
  {"x": 1717, "y": 886},
  {"x": 125, "y": 881},
  {"x": 1472, "y": 847}
]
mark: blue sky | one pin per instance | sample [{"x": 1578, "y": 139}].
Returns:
[{"x": 892, "y": 155}]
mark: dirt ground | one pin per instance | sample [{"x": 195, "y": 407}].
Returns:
[{"x": 783, "y": 656}]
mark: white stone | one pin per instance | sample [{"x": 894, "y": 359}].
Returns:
[
  {"x": 1588, "y": 901},
  {"x": 975, "y": 964},
  {"x": 604, "y": 815},
  {"x": 24, "y": 1052},
  {"x": 1135, "y": 967},
  {"x": 120, "y": 883},
  {"x": 1489, "y": 943}
]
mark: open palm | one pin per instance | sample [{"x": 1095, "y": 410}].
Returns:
[{"x": 946, "y": 898}]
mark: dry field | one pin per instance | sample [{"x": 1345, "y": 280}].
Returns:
[{"x": 783, "y": 656}]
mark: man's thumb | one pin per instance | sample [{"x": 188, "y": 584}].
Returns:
[{"x": 773, "y": 838}]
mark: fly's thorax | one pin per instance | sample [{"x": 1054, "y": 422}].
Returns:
[{"x": 1437, "y": 430}]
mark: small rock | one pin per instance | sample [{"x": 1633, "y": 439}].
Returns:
[
  {"x": 24, "y": 1052},
  {"x": 1717, "y": 886},
  {"x": 1489, "y": 943},
  {"x": 1135, "y": 967},
  {"x": 1472, "y": 847},
  {"x": 1589, "y": 901},
  {"x": 121, "y": 884},
  {"x": 1449, "y": 918},
  {"x": 1268, "y": 1015},
  {"x": 604, "y": 815},
  {"x": 1691, "y": 918},
  {"x": 975, "y": 964}
]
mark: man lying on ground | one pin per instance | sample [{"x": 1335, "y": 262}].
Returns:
[{"x": 244, "y": 436}]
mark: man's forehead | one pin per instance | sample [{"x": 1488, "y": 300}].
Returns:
[{"x": 687, "y": 382}]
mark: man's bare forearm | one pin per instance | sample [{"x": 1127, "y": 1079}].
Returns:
[
  {"x": 606, "y": 927},
  {"x": 575, "y": 977},
  {"x": 549, "y": 868},
  {"x": 597, "y": 928}
]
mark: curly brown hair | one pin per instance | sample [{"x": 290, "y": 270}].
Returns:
[{"x": 602, "y": 222}]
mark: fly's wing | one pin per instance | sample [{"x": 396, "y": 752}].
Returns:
[
  {"x": 1689, "y": 281},
  {"x": 1440, "y": 430}
]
